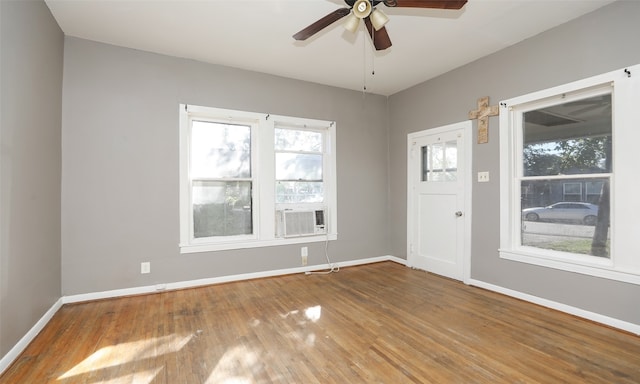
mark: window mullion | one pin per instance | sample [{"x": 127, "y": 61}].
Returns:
[{"x": 565, "y": 177}]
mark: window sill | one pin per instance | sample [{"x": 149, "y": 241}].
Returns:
[
  {"x": 598, "y": 268},
  {"x": 213, "y": 247}
]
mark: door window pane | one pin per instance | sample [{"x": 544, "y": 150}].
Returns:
[{"x": 440, "y": 161}]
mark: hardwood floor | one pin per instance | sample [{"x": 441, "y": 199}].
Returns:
[{"x": 377, "y": 323}]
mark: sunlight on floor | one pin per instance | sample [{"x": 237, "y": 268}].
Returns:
[
  {"x": 120, "y": 354},
  {"x": 313, "y": 313},
  {"x": 137, "y": 377},
  {"x": 234, "y": 367},
  {"x": 240, "y": 364}
]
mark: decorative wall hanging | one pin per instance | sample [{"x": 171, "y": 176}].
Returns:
[{"x": 482, "y": 114}]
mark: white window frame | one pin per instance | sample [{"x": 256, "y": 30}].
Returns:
[
  {"x": 624, "y": 261},
  {"x": 263, "y": 179}
]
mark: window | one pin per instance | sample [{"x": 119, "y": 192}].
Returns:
[
  {"x": 299, "y": 165},
  {"x": 221, "y": 179},
  {"x": 439, "y": 161},
  {"x": 565, "y": 156},
  {"x": 239, "y": 171}
]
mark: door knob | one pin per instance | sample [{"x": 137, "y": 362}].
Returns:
[{"x": 458, "y": 213}]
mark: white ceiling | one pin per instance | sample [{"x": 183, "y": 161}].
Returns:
[{"x": 256, "y": 35}]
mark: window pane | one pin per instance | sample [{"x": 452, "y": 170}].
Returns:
[
  {"x": 220, "y": 150},
  {"x": 436, "y": 156},
  {"x": 440, "y": 161},
  {"x": 426, "y": 163},
  {"x": 577, "y": 227},
  {"x": 297, "y": 140},
  {"x": 296, "y": 166},
  {"x": 568, "y": 139},
  {"x": 299, "y": 192},
  {"x": 221, "y": 208}
]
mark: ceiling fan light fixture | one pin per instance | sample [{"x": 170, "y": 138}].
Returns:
[
  {"x": 362, "y": 8},
  {"x": 378, "y": 19},
  {"x": 352, "y": 23}
]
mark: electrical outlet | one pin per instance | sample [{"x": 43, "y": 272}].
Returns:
[
  {"x": 304, "y": 253},
  {"x": 483, "y": 177},
  {"x": 145, "y": 267}
]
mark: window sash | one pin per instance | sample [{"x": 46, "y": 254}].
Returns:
[
  {"x": 518, "y": 125},
  {"x": 302, "y": 190},
  {"x": 213, "y": 213},
  {"x": 624, "y": 264}
]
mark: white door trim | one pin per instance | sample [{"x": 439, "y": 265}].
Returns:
[{"x": 466, "y": 126}]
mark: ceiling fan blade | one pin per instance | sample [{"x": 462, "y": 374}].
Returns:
[
  {"x": 380, "y": 37},
  {"x": 321, "y": 24},
  {"x": 438, "y": 4}
]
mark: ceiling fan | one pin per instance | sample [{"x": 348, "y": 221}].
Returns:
[{"x": 374, "y": 19}]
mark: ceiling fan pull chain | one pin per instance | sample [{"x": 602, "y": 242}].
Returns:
[
  {"x": 364, "y": 66},
  {"x": 373, "y": 54},
  {"x": 373, "y": 59}
]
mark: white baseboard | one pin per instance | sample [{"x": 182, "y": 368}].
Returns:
[
  {"x": 598, "y": 318},
  {"x": 396, "y": 260},
  {"x": 222, "y": 279},
  {"x": 17, "y": 349}
]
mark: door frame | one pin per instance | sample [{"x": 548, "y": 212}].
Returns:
[{"x": 467, "y": 128}]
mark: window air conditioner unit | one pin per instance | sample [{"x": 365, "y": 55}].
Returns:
[{"x": 296, "y": 223}]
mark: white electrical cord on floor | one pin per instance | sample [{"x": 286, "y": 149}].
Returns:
[{"x": 333, "y": 267}]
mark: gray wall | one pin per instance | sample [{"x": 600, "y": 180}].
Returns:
[
  {"x": 120, "y": 166},
  {"x": 596, "y": 43},
  {"x": 119, "y": 137},
  {"x": 30, "y": 134}
]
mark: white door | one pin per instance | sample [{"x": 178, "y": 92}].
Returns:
[{"x": 438, "y": 217}]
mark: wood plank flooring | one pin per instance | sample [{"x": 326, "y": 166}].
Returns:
[{"x": 377, "y": 323}]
